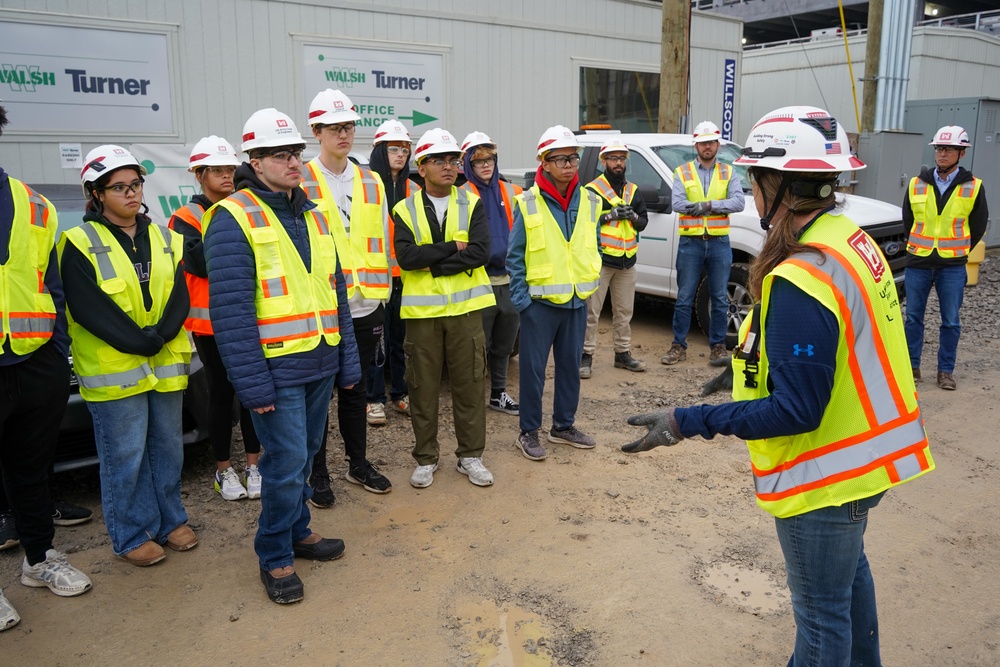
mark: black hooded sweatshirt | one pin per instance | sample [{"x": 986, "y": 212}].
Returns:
[{"x": 978, "y": 219}]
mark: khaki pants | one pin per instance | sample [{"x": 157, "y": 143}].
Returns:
[
  {"x": 458, "y": 341},
  {"x": 621, "y": 284}
]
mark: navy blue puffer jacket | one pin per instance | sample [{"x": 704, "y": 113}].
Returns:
[{"x": 232, "y": 279}]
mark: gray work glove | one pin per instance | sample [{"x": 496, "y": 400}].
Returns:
[
  {"x": 701, "y": 209},
  {"x": 663, "y": 431}
]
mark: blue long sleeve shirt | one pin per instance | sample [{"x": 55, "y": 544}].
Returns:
[{"x": 733, "y": 203}]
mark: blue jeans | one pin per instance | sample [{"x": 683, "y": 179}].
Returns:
[
  {"x": 561, "y": 330},
  {"x": 833, "y": 595},
  {"x": 290, "y": 435},
  {"x": 715, "y": 257},
  {"x": 950, "y": 283},
  {"x": 140, "y": 445}
]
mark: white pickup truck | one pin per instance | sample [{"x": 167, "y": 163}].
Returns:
[{"x": 651, "y": 165}]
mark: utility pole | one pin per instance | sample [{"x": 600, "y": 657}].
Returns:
[
  {"x": 872, "y": 50},
  {"x": 674, "y": 49}
]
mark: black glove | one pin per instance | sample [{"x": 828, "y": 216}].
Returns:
[
  {"x": 663, "y": 431},
  {"x": 701, "y": 209}
]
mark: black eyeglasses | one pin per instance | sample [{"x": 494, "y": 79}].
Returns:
[
  {"x": 616, "y": 159},
  {"x": 563, "y": 161},
  {"x": 485, "y": 162},
  {"x": 122, "y": 189},
  {"x": 285, "y": 156}
]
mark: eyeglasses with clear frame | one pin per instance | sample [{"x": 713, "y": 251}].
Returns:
[
  {"x": 228, "y": 170},
  {"x": 485, "y": 162},
  {"x": 441, "y": 162},
  {"x": 397, "y": 150},
  {"x": 337, "y": 128},
  {"x": 285, "y": 156}
]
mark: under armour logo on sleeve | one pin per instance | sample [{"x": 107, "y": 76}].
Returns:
[{"x": 799, "y": 350}]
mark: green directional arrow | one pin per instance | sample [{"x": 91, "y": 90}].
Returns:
[{"x": 418, "y": 118}]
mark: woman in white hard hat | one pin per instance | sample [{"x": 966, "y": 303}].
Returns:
[
  {"x": 213, "y": 162},
  {"x": 825, "y": 397},
  {"x": 127, "y": 300}
]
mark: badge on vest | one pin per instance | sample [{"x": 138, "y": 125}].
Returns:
[{"x": 275, "y": 346}]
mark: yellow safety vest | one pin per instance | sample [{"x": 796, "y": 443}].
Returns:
[
  {"x": 556, "y": 269},
  {"x": 296, "y": 308},
  {"x": 618, "y": 237},
  {"x": 425, "y": 296},
  {"x": 871, "y": 436},
  {"x": 718, "y": 188},
  {"x": 948, "y": 232},
  {"x": 105, "y": 374},
  {"x": 360, "y": 240},
  {"x": 27, "y": 312}
]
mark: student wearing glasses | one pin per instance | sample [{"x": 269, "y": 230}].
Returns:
[
  {"x": 126, "y": 304},
  {"x": 279, "y": 311},
  {"x": 554, "y": 265},
  {"x": 213, "y": 162}
]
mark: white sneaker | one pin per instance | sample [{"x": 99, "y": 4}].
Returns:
[
  {"x": 8, "y": 615},
  {"x": 376, "y": 414},
  {"x": 56, "y": 574},
  {"x": 477, "y": 472},
  {"x": 423, "y": 476},
  {"x": 253, "y": 479},
  {"x": 228, "y": 484}
]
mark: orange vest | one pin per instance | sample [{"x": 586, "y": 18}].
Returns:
[
  {"x": 198, "y": 320},
  {"x": 411, "y": 187},
  {"x": 507, "y": 190}
]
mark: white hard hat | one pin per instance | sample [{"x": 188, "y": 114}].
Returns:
[
  {"x": 104, "y": 160},
  {"x": 613, "y": 146},
  {"x": 331, "y": 106},
  {"x": 391, "y": 130},
  {"x": 477, "y": 138},
  {"x": 268, "y": 128},
  {"x": 706, "y": 131},
  {"x": 557, "y": 136},
  {"x": 213, "y": 151},
  {"x": 799, "y": 138},
  {"x": 951, "y": 135},
  {"x": 435, "y": 142}
]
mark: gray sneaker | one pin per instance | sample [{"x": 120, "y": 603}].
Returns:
[
  {"x": 56, "y": 574},
  {"x": 8, "y": 615},
  {"x": 423, "y": 476},
  {"x": 572, "y": 436},
  {"x": 472, "y": 466},
  {"x": 675, "y": 354},
  {"x": 585, "y": 366},
  {"x": 528, "y": 443}
]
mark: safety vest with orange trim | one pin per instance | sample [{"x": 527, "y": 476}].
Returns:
[
  {"x": 507, "y": 191},
  {"x": 618, "y": 237},
  {"x": 296, "y": 307},
  {"x": 411, "y": 187},
  {"x": 198, "y": 320},
  {"x": 27, "y": 312},
  {"x": 104, "y": 372},
  {"x": 361, "y": 240},
  {"x": 947, "y": 232},
  {"x": 426, "y": 296},
  {"x": 716, "y": 224},
  {"x": 871, "y": 436}
]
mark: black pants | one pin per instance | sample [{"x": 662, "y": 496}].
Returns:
[
  {"x": 220, "y": 404},
  {"x": 352, "y": 417},
  {"x": 33, "y": 397}
]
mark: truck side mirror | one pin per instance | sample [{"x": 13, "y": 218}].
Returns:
[{"x": 657, "y": 201}]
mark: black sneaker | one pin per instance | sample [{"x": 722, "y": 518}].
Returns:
[
  {"x": 8, "y": 532},
  {"x": 328, "y": 548},
  {"x": 505, "y": 404},
  {"x": 283, "y": 590},
  {"x": 322, "y": 494},
  {"x": 65, "y": 514},
  {"x": 628, "y": 362},
  {"x": 368, "y": 476}
]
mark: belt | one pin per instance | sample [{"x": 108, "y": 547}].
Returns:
[{"x": 709, "y": 237}]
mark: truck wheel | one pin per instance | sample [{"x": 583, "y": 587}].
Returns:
[{"x": 738, "y": 296}]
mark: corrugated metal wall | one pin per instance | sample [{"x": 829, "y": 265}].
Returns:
[{"x": 512, "y": 67}]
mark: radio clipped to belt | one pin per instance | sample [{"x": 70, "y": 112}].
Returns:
[{"x": 750, "y": 350}]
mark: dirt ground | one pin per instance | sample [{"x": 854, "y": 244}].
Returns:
[{"x": 588, "y": 558}]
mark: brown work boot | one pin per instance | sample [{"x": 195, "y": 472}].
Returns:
[
  {"x": 916, "y": 375},
  {"x": 719, "y": 355},
  {"x": 676, "y": 353},
  {"x": 148, "y": 554},
  {"x": 182, "y": 538},
  {"x": 946, "y": 381}
]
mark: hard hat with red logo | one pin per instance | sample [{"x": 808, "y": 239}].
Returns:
[
  {"x": 213, "y": 151},
  {"x": 951, "y": 135},
  {"x": 613, "y": 146},
  {"x": 268, "y": 128},
  {"x": 435, "y": 142},
  {"x": 103, "y": 160},
  {"x": 332, "y": 106},
  {"x": 557, "y": 136},
  {"x": 707, "y": 131},
  {"x": 799, "y": 138},
  {"x": 391, "y": 130},
  {"x": 477, "y": 138}
]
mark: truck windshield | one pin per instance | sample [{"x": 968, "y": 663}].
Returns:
[{"x": 675, "y": 156}]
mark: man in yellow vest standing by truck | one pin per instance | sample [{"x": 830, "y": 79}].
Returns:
[
  {"x": 442, "y": 244},
  {"x": 277, "y": 299},
  {"x": 623, "y": 216},
  {"x": 946, "y": 211},
  {"x": 353, "y": 200},
  {"x": 705, "y": 192}
]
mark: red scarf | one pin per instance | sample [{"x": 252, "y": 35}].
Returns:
[{"x": 546, "y": 186}]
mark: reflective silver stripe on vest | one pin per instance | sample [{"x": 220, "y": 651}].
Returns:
[
  {"x": 38, "y": 205},
  {"x": 528, "y": 197},
  {"x": 171, "y": 371},
  {"x": 548, "y": 290},
  {"x": 282, "y": 330},
  {"x": 275, "y": 287},
  {"x": 199, "y": 314},
  {"x": 411, "y": 206},
  {"x": 967, "y": 189},
  {"x": 370, "y": 186},
  {"x": 196, "y": 211},
  {"x": 122, "y": 380},
  {"x": 594, "y": 201},
  {"x": 954, "y": 243},
  {"x": 375, "y": 278},
  {"x": 26, "y": 324},
  {"x": 167, "y": 248},
  {"x": 333, "y": 282},
  {"x": 846, "y": 459},
  {"x": 463, "y": 210},
  {"x": 435, "y": 300},
  {"x": 101, "y": 253},
  {"x": 374, "y": 245},
  {"x": 324, "y": 227},
  {"x": 592, "y": 285},
  {"x": 331, "y": 323},
  {"x": 472, "y": 293},
  {"x": 254, "y": 213}
]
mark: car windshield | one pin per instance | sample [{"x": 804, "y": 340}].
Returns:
[{"x": 675, "y": 156}]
